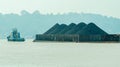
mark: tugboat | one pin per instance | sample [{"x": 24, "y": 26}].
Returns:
[{"x": 15, "y": 36}]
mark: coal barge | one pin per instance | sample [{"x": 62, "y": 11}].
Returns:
[{"x": 77, "y": 33}]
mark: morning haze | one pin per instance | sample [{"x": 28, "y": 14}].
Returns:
[
  {"x": 36, "y": 23},
  {"x": 104, "y": 7},
  {"x": 59, "y": 33},
  {"x": 22, "y": 14}
]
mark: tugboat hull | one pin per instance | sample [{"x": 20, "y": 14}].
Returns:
[{"x": 18, "y": 40}]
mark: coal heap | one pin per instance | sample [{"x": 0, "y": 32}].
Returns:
[
  {"x": 68, "y": 28},
  {"x": 52, "y": 29},
  {"x": 76, "y": 28},
  {"x": 81, "y": 29},
  {"x": 58, "y": 29},
  {"x": 91, "y": 29}
]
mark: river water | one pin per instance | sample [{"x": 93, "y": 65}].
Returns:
[{"x": 59, "y": 54}]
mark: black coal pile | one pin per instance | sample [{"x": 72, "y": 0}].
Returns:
[{"x": 81, "y": 29}]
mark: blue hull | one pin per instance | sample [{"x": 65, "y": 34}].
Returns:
[{"x": 18, "y": 40}]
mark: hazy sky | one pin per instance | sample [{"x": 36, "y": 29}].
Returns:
[{"x": 105, "y": 7}]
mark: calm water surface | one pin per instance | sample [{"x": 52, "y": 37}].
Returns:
[{"x": 56, "y": 54}]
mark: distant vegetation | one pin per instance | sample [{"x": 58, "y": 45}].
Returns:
[{"x": 30, "y": 24}]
